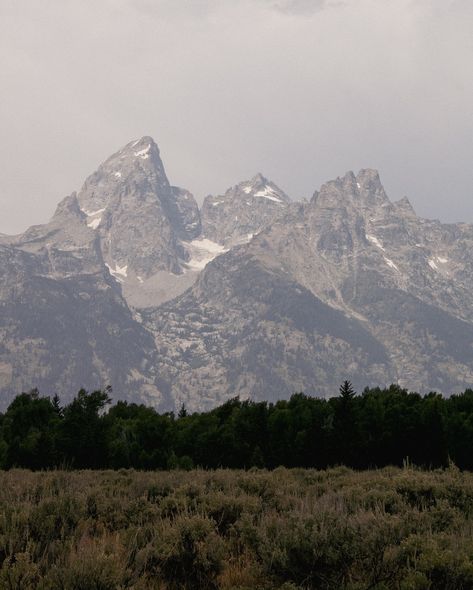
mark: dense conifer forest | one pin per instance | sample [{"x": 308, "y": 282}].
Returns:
[{"x": 379, "y": 427}]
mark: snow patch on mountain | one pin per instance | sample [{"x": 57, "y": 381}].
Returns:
[
  {"x": 268, "y": 193},
  {"x": 144, "y": 153},
  {"x": 93, "y": 213},
  {"x": 202, "y": 252},
  {"x": 390, "y": 263},
  {"x": 374, "y": 240},
  {"x": 434, "y": 262},
  {"x": 94, "y": 223},
  {"x": 119, "y": 272}
]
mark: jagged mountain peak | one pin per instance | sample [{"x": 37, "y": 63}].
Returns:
[
  {"x": 258, "y": 186},
  {"x": 369, "y": 177},
  {"x": 405, "y": 206},
  {"x": 146, "y": 139},
  {"x": 138, "y": 162},
  {"x": 139, "y": 217},
  {"x": 368, "y": 183},
  {"x": 144, "y": 149},
  {"x": 66, "y": 226},
  {"x": 363, "y": 190},
  {"x": 243, "y": 210},
  {"x": 258, "y": 177},
  {"x": 67, "y": 207},
  {"x": 256, "y": 181}
]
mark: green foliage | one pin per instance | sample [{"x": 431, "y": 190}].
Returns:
[
  {"x": 380, "y": 427},
  {"x": 81, "y": 433},
  {"x": 29, "y": 430}
]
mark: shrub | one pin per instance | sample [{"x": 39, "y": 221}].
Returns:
[
  {"x": 19, "y": 572},
  {"x": 187, "y": 553}
]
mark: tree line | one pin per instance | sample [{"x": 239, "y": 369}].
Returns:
[{"x": 379, "y": 427}]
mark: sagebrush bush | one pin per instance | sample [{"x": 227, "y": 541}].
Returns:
[
  {"x": 19, "y": 572},
  {"x": 187, "y": 553},
  {"x": 392, "y": 529}
]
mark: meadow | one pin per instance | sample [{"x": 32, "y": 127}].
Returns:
[{"x": 287, "y": 529}]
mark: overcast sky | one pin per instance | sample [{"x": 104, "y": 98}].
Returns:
[{"x": 300, "y": 90}]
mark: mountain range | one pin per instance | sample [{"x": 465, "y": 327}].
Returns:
[{"x": 254, "y": 295}]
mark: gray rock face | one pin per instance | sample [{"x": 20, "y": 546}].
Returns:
[
  {"x": 183, "y": 213},
  {"x": 131, "y": 285},
  {"x": 63, "y": 321},
  {"x": 243, "y": 211},
  {"x": 142, "y": 223},
  {"x": 355, "y": 227},
  {"x": 139, "y": 218},
  {"x": 347, "y": 286},
  {"x": 247, "y": 328}
]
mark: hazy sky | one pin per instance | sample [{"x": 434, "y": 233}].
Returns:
[{"x": 301, "y": 90}]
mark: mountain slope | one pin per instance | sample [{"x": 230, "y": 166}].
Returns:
[
  {"x": 130, "y": 284},
  {"x": 364, "y": 265},
  {"x": 64, "y": 323},
  {"x": 246, "y": 328}
]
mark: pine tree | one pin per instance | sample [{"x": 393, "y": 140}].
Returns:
[
  {"x": 57, "y": 405},
  {"x": 346, "y": 426},
  {"x": 346, "y": 391}
]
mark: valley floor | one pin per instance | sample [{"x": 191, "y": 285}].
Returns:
[{"x": 287, "y": 529}]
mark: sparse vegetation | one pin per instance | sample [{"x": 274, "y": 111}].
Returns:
[{"x": 396, "y": 528}]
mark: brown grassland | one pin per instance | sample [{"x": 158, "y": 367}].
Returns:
[{"x": 287, "y": 529}]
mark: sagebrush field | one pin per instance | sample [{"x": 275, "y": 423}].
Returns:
[{"x": 287, "y": 529}]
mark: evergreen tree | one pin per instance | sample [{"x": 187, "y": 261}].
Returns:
[
  {"x": 183, "y": 411},
  {"x": 346, "y": 391},
  {"x": 29, "y": 431},
  {"x": 57, "y": 405},
  {"x": 380, "y": 427},
  {"x": 347, "y": 429},
  {"x": 82, "y": 433}
]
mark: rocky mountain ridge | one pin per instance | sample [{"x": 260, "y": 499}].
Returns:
[{"x": 131, "y": 284}]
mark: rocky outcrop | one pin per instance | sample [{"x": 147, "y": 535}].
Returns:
[{"x": 243, "y": 211}]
